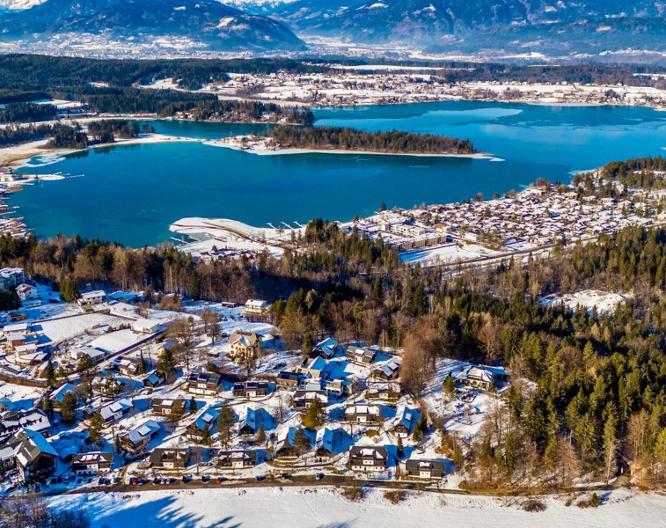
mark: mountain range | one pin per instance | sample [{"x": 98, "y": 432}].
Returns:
[{"x": 519, "y": 26}]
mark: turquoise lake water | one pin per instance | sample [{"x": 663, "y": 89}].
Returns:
[{"x": 132, "y": 193}]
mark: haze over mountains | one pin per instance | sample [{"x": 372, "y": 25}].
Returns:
[{"x": 564, "y": 27}]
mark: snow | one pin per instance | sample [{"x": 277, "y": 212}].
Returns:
[
  {"x": 605, "y": 302},
  {"x": 69, "y": 327},
  {"x": 116, "y": 341},
  {"x": 317, "y": 507},
  {"x": 19, "y": 5}
]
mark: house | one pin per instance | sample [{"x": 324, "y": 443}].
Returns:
[
  {"x": 327, "y": 349},
  {"x": 92, "y": 298},
  {"x": 204, "y": 424},
  {"x": 407, "y": 423},
  {"x": 288, "y": 449},
  {"x": 115, "y": 410},
  {"x": 255, "y": 419},
  {"x": 238, "y": 459},
  {"x": 337, "y": 388},
  {"x": 131, "y": 366},
  {"x": 172, "y": 408},
  {"x": 169, "y": 458},
  {"x": 482, "y": 377},
  {"x": 35, "y": 457},
  {"x": 303, "y": 398},
  {"x": 27, "y": 292},
  {"x": 147, "y": 326},
  {"x": 136, "y": 440},
  {"x": 426, "y": 469},
  {"x": 288, "y": 380},
  {"x": 154, "y": 379},
  {"x": 251, "y": 389},
  {"x": 96, "y": 355},
  {"x": 10, "y": 278},
  {"x": 244, "y": 346},
  {"x": 361, "y": 356},
  {"x": 383, "y": 391},
  {"x": 363, "y": 414},
  {"x": 368, "y": 458},
  {"x": 58, "y": 395},
  {"x": 256, "y": 308},
  {"x": 107, "y": 385},
  {"x": 33, "y": 420},
  {"x": 331, "y": 442},
  {"x": 93, "y": 463},
  {"x": 388, "y": 371},
  {"x": 315, "y": 367},
  {"x": 203, "y": 382}
]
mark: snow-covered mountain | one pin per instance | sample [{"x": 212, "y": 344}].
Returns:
[
  {"x": 19, "y": 4},
  {"x": 436, "y": 22},
  {"x": 220, "y": 26}
]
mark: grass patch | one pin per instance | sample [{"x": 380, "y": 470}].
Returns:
[
  {"x": 395, "y": 496},
  {"x": 353, "y": 494},
  {"x": 533, "y": 505}
]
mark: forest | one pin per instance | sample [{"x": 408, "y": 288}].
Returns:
[{"x": 351, "y": 139}]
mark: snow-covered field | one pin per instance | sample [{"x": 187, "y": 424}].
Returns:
[
  {"x": 604, "y": 302},
  {"x": 324, "y": 507}
]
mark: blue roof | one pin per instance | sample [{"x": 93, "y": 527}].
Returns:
[
  {"x": 291, "y": 435},
  {"x": 334, "y": 440},
  {"x": 409, "y": 418},
  {"x": 256, "y": 418}
]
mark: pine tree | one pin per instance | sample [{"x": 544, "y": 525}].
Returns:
[
  {"x": 50, "y": 374},
  {"x": 225, "y": 421},
  {"x": 192, "y": 406},
  {"x": 68, "y": 408},
  {"x": 261, "y": 436},
  {"x": 314, "y": 416},
  {"x": 95, "y": 428}
]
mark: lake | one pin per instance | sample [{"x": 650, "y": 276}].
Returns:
[{"x": 132, "y": 193}]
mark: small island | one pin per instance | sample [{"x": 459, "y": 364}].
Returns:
[{"x": 293, "y": 140}]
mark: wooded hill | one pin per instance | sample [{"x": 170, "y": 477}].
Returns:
[{"x": 395, "y": 142}]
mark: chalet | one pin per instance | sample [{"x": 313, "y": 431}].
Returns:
[
  {"x": 32, "y": 420},
  {"x": 426, "y": 469},
  {"x": 388, "y": 371},
  {"x": 172, "y": 408},
  {"x": 92, "y": 298},
  {"x": 303, "y": 398},
  {"x": 337, "y": 388},
  {"x": 255, "y": 419},
  {"x": 107, "y": 385},
  {"x": 288, "y": 380},
  {"x": 368, "y": 458},
  {"x": 131, "y": 366},
  {"x": 482, "y": 377},
  {"x": 287, "y": 447},
  {"x": 244, "y": 346},
  {"x": 154, "y": 379},
  {"x": 136, "y": 440},
  {"x": 10, "y": 278},
  {"x": 256, "y": 308},
  {"x": 251, "y": 389},
  {"x": 383, "y": 391},
  {"x": 361, "y": 356},
  {"x": 331, "y": 442},
  {"x": 35, "y": 457},
  {"x": 93, "y": 463},
  {"x": 115, "y": 410},
  {"x": 407, "y": 423},
  {"x": 363, "y": 414},
  {"x": 203, "y": 383},
  {"x": 204, "y": 424},
  {"x": 169, "y": 458},
  {"x": 327, "y": 349},
  {"x": 58, "y": 395},
  {"x": 315, "y": 367},
  {"x": 238, "y": 459}
]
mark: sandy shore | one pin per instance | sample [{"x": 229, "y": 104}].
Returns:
[{"x": 16, "y": 156}]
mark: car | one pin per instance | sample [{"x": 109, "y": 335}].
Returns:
[
  {"x": 319, "y": 476},
  {"x": 261, "y": 477},
  {"x": 172, "y": 480},
  {"x": 205, "y": 478},
  {"x": 157, "y": 481},
  {"x": 134, "y": 481},
  {"x": 186, "y": 479},
  {"x": 220, "y": 480},
  {"x": 285, "y": 476}
]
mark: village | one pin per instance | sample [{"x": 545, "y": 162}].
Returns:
[
  {"x": 357, "y": 85},
  {"x": 109, "y": 391}
]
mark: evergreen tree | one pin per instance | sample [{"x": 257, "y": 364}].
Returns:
[
  {"x": 314, "y": 415},
  {"x": 68, "y": 408},
  {"x": 95, "y": 428}
]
